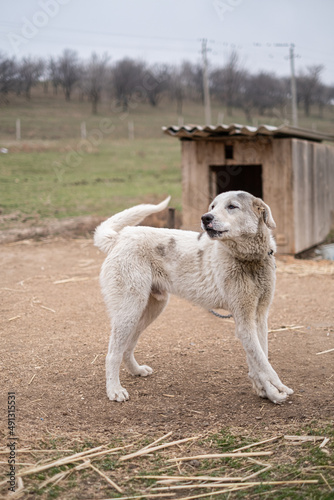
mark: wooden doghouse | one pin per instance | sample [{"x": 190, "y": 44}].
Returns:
[{"x": 290, "y": 168}]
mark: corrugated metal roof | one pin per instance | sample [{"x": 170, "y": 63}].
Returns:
[{"x": 197, "y": 132}]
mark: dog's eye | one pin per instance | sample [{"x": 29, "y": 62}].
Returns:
[
  {"x": 231, "y": 207},
  {"x": 212, "y": 207}
]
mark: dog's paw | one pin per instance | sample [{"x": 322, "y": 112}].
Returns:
[
  {"x": 142, "y": 371},
  {"x": 117, "y": 393},
  {"x": 278, "y": 393},
  {"x": 271, "y": 388}
]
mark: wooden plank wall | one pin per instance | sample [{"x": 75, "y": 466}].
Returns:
[
  {"x": 313, "y": 185},
  {"x": 330, "y": 163},
  {"x": 195, "y": 186},
  {"x": 277, "y": 186}
]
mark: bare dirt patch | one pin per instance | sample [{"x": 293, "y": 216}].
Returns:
[
  {"x": 55, "y": 333},
  {"x": 21, "y": 227}
]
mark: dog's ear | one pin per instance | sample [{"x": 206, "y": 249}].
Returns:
[{"x": 262, "y": 210}]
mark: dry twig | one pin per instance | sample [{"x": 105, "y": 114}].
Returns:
[
  {"x": 145, "y": 451},
  {"x": 304, "y": 439},
  {"x": 284, "y": 328},
  {"x": 258, "y": 443},
  {"x": 144, "y": 495},
  {"x": 325, "y": 352},
  {"x": 71, "y": 280},
  {"x": 223, "y": 455},
  {"x": 190, "y": 478},
  {"x": 218, "y": 485},
  {"x": 110, "y": 481}
]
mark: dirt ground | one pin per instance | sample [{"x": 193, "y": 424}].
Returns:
[{"x": 55, "y": 334}]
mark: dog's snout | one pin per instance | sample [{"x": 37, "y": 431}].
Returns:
[{"x": 207, "y": 218}]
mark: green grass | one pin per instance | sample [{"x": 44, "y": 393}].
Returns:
[
  {"x": 115, "y": 175},
  {"x": 289, "y": 462}
]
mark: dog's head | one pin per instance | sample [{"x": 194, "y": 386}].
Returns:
[{"x": 236, "y": 213}]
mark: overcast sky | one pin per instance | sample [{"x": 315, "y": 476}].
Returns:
[{"x": 170, "y": 31}]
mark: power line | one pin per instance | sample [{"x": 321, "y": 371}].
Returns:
[{"x": 108, "y": 33}]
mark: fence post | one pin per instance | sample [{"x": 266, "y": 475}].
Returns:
[
  {"x": 18, "y": 129},
  {"x": 131, "y": 130},
  {"x": 83, "y": 130},
  {"x": 171, "y": 218}
]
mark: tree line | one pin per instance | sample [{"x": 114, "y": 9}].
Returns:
[{"x": 128, "y": 81}]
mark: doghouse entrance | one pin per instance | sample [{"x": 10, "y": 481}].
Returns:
[{"x": 236, "y": 178}]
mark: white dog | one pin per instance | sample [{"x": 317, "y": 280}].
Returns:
[{"x": 230, "y": 265}]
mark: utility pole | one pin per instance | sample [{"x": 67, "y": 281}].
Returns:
[
  {"x": 293, "y": 87},
  {"x": 207, "y": 105}
]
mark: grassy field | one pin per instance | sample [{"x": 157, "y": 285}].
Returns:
[
  {"x": 52, "y": 172},
  {"x": 62, "y": 183},
  {"x": 47, "y": 117}
]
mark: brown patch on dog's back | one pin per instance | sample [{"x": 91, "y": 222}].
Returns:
[
  {"x": 161, "y": 250},
  {"x": 171, "y": 244}
]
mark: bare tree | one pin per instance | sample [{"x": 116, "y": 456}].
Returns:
[
  {"x": 226, "y": 82},
  {"x": 127, "y": 76},
  {"x": 323, "y": 95},
  {"x": 156, "y": 81},
  {"x": 8, "y": 71},
  {"x": 192, "y": 76},
  {"x": 94, "y": 77},
  {"x": 54, "y": 74},
  {"x": 29, "y": 72},
  {"x": 185, "y": 82},
  {"x": 266, "y": 92},
  {"x": 69, "y": 71},
  {"x": 308, "y": 86},
  {"x": 177, "y": 88},
  {"x": 245, "y": 99}
]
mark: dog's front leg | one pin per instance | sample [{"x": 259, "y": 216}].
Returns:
[
  {"x": 262, "y": 328},
  {"x": 265, "y": 380}
]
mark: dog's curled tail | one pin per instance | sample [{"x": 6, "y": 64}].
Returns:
[{"x": 104, "y": 237}]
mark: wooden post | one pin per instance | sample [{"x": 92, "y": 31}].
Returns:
[
  {"x": 83, "y": 130},
  {"x": 171, "y": 218},
  {"x": 207, "y": 105},
  {"x": 293, "y": 87},
  {"x": 18, "y": 129},
  {"x": 131, "y": 130}
]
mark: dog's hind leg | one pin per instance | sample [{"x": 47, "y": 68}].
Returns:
[
  {"x": 155, "y": 306},
  {"x": 124, "y": 326},
  {"x": 127, "y": 324}
]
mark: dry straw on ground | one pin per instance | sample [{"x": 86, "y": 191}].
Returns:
[{"x": 168, "y": 485}]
